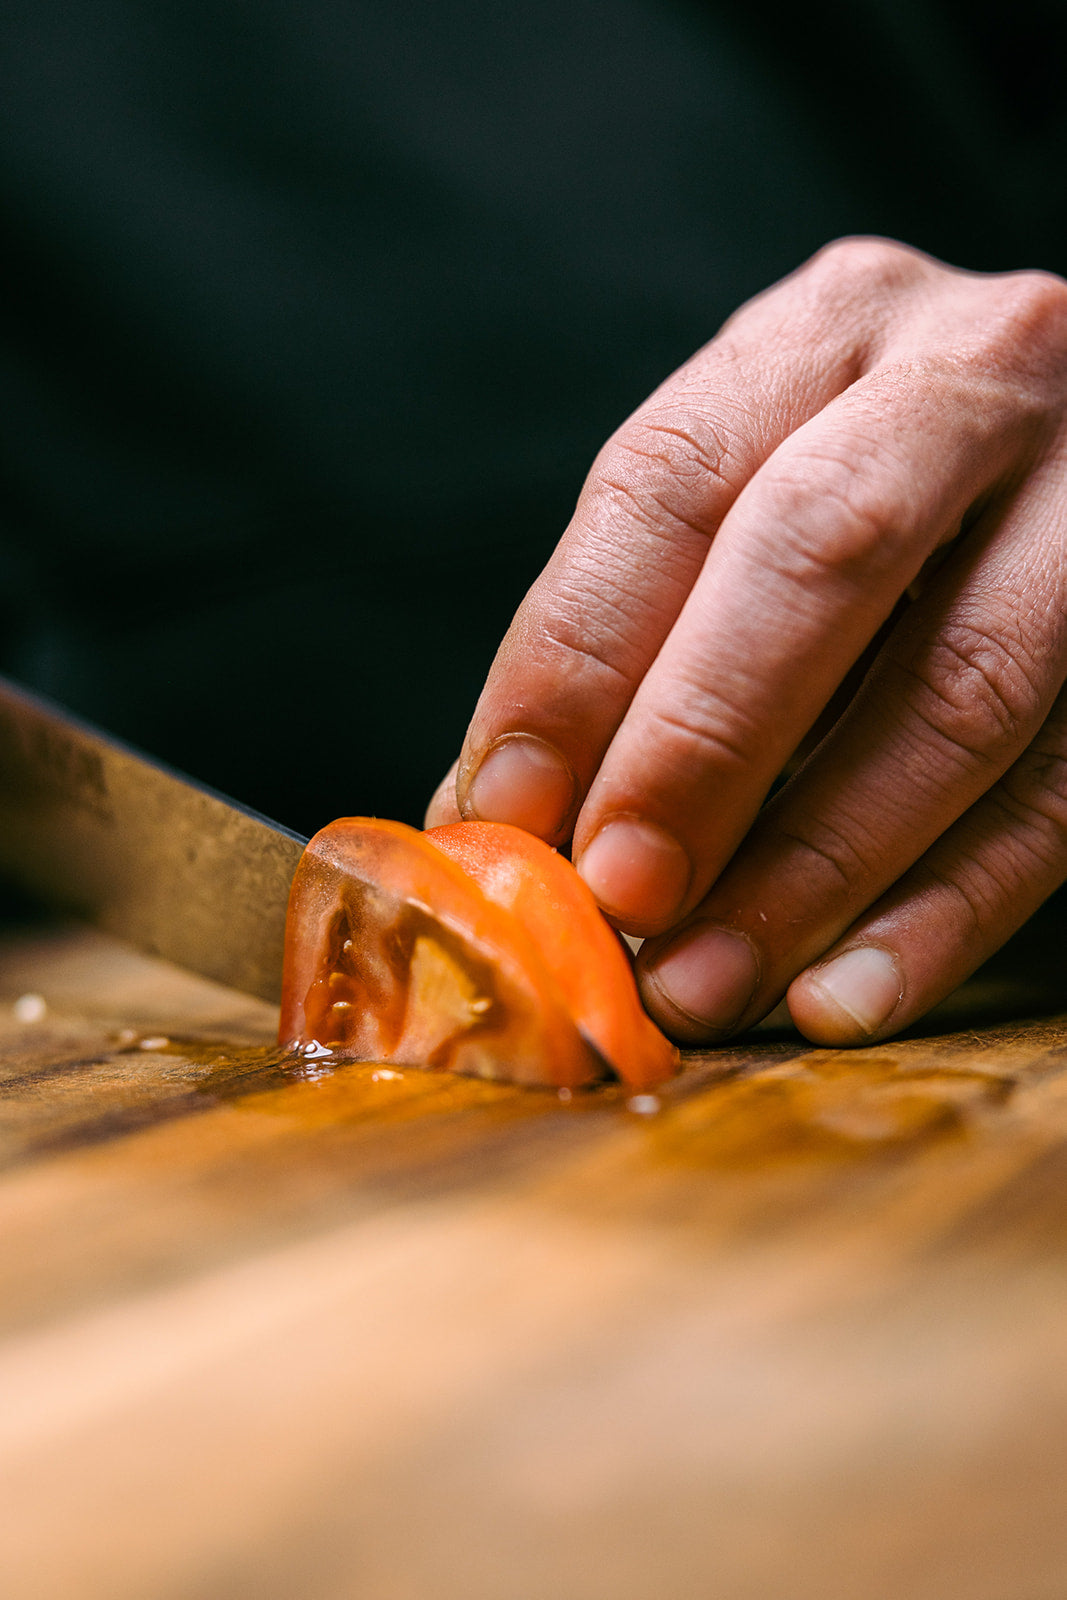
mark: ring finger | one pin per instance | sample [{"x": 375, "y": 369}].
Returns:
[{"x": 957, "y": 906}]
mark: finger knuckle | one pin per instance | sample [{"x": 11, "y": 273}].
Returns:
[
  {"x": 697, "y": 731},
  {"x": 1035, "y": 303},
  {"x": 1034, "y": 791},
  {"x": 1002, "y": 873},
  {"x": 838, "y": 513},
  {"x": 1024, "y": 326},
  {"x": 976, "y": 692},
  {"x": 975, "y": 892},
  {"x": 673, "y": 468},
  {"x": 866, "y": 263},
  {"x": 598, "y": 639},
  {"x": 840, "y": 856}
]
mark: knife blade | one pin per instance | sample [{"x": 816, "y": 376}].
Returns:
[{"x": 90, "y": 826}]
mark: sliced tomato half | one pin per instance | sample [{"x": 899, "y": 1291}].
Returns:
[{"x": 429, "y": 950}]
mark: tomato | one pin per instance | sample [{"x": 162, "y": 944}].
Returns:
[{"x": 473, "y": 948}]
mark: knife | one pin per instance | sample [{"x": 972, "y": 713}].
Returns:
[{"x": 90, "y": 826}]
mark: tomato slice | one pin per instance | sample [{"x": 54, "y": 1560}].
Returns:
[
  {"x": 430, "y": 950},
  {"x": 394, "y": 954},
  {"x": 586, "y": 957}
]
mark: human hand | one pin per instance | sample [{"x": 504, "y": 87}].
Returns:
[{"x": 876, "y": 426}]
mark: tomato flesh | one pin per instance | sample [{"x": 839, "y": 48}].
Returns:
[{"x": 458, "y": 950}]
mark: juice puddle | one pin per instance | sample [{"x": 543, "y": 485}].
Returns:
[
  {"x": 812, "y": 1105},
  {"x": 143, "y": 1081}
]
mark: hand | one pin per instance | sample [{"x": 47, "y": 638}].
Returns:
[{"x": 873, "y": 450}]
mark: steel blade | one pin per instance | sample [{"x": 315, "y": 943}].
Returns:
[{"x": 90, "y": 826}]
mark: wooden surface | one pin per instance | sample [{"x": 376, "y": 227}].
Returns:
[{"x": 272, "y": 1331}]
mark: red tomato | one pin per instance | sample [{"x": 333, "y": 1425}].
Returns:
[{"x": 473, "y": 948}]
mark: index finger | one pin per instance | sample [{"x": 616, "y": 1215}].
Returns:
[{"x": 593, "y": 623}]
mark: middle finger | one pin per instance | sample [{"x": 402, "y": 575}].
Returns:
[{"x": 806, "y": 567}]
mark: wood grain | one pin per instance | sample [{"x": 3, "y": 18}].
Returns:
[{"x": 274, "y": 1330}]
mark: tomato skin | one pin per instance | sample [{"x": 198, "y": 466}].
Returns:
[
  {"x": 472, "y": 948},
  {"x": 586, "y": 956}
]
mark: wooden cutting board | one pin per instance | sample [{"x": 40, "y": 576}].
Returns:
[{"x": 293, "y": 1334}]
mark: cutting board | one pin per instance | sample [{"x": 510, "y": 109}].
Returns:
[{"x": 796, "y": 1328}]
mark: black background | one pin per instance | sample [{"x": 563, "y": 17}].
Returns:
[{"x": 315, "y": 314}]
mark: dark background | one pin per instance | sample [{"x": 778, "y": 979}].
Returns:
[{"x": 314, "y": 315}]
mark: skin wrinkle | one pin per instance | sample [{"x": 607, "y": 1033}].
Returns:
[
  {"x": 598, "y": 557},
  {"x": 695, "y": 460},
  {"x": 592, "y": 531},
  {"x": 807, "y": 847},
  {"x": 608, "y": 485},
  {"x": 770, "y": 607},
  {"x": 1021, "y": 803},
  {"x": 714, "y": 740},
  {"x": 695, "y": 401},
  {"x": 1016, "y": 622},
  {"x": 804, "y": 569},
  {"x": 1035, "y": 834},
  {"x": 701, "y": 530},
  {"x": 985, "y": 728},
  {"x": 1047, "y": 770},
  {"x": 770, "y": 420},
  {"x": 587, "y": 651},
  {"x": 636, "y": 618},
  {"x": 1018, "y": 710},
  {"x": 978, "y": 889},
  {"x": 614, "y": 598},
  {"x": 894, "y": 820},
  {"x": 853, "y": 450},
  {"x": 858, "y": 871}
]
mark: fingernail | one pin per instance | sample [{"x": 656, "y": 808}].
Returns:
[
  {"x": 864, "y": 983},
  {"x": 524, "y": 781},
  {"x": 710, "y": 974},
  {"x": 636, "y": 870}
]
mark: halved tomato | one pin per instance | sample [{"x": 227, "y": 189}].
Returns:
[{"x": 473, "y": 947}]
